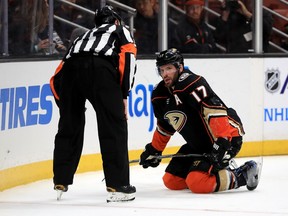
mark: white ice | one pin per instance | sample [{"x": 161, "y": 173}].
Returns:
[{"x": 87, "y": 196}]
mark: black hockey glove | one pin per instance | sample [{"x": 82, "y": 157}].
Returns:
[
  {"x": 236, "y": 144},
  {"x": 219, "y": 157},
  {"x": 146, "y": 158}
]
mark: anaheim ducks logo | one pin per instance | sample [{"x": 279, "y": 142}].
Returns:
[{"x": 176, "y": 119}]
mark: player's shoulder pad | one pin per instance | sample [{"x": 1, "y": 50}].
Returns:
[
  {"x": 159, "y": 90},
  {"x": 183, "y": 76},
  {"x": 186, "y": 77},
  {"x": 158, "y": 85}
]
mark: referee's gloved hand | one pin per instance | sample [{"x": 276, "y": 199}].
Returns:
[{"x": 147, "y": 157}]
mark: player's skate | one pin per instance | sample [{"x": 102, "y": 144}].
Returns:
[
  {"x": 247, "y": 174},
  {"x": 60, "y": 189},
  {"x": 252, "y": 175},
  {"x": 121, "y": 194}
]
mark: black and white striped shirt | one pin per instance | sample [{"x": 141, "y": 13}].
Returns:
[{"x": 109, "y": 40}]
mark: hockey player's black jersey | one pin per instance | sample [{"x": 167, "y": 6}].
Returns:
[{"x": 195, "y": 111}]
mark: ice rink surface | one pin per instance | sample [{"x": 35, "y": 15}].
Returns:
[{"x": 87, "y": 196}]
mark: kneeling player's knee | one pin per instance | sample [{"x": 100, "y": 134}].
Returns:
[
  {"x": 173, "y": 182},
  {"x": 201, "y": 182}
]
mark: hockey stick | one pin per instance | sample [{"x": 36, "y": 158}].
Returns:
[
  {"x": 232, "y": 162},
  {"x": 167, "y": 156}
]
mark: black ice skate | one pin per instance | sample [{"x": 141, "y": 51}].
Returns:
[
  {"x": 121, "y": 194},
  {"x": 60, "y": 189},
  {"x": 252, "y": 175},
  {"x": 247, "y": 174}
]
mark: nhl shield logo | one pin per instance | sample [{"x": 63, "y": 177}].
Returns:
[{"x": 272, "y": 80}]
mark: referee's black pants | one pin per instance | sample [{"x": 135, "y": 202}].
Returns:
[{"x": 93, "y": 78}]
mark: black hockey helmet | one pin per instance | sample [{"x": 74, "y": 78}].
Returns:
[
  {"x": 106, "y": 15},
  {"x": 170, "y": 56}
]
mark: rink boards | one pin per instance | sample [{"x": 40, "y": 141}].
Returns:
[{"x": 255, "y": 87}]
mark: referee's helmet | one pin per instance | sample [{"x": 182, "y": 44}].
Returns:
[{"x": 106, "y": 15}]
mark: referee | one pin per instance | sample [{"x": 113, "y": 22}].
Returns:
[{"x": 99, "y": 66}]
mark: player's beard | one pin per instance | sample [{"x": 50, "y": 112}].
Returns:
[{"x": 170, "y": 81}]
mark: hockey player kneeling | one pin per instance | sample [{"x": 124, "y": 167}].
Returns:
[{"x": 184, "y": 102}]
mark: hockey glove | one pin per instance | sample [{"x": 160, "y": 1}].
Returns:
[
  {"x": 147, "y": 157},
  {"x": 219, "y": 157},
  {"x": 236, "y": 144}
]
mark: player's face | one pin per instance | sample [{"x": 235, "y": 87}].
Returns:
[{"x": 169, "y": 74}]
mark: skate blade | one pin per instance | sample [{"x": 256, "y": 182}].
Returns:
[
  {"x": 120, "y": 197},
  {"x": 59, "y": 194}
]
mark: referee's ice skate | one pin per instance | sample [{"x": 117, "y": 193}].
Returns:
[
  {"x": 121, "y": 194},
  {"x": 60, "y": 189}
]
